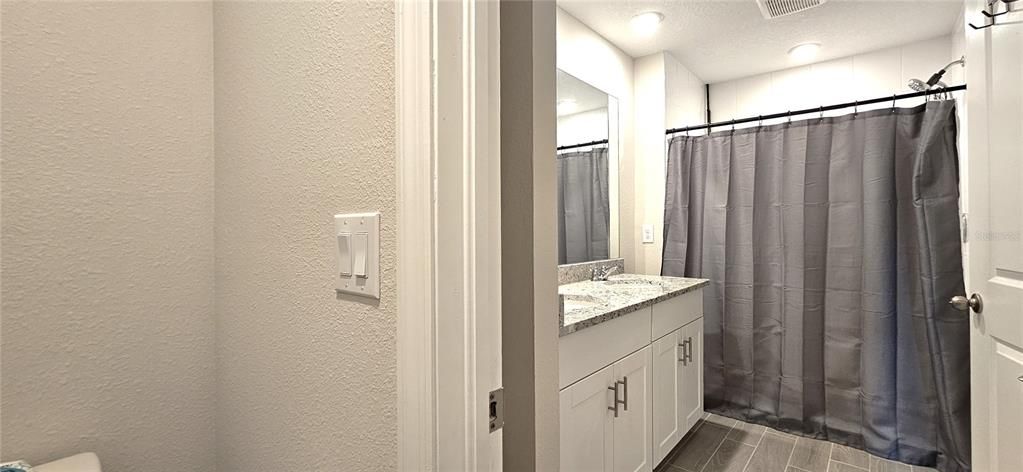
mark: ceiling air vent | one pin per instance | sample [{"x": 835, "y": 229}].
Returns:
[{"x": 776, "y": 8}]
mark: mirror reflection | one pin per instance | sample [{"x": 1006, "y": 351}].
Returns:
[{"x": 587, "y": 172}]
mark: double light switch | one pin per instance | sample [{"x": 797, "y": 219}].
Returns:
[
  {"x": 353, "y": 250},
  {"x": 358, "y": 253}
]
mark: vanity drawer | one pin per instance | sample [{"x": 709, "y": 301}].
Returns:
[
  {"x": 675, "y": 313},
  {"x": 589, "y": 350}
]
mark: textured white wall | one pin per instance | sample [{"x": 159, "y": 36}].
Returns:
[
  {"x": 304, "y": 130},
  {"x": 107, "y": 233},
  {"x": 650, "y": 99},
  {"x": 667, "y": 95},
  {"x": 870, "y": 75}
]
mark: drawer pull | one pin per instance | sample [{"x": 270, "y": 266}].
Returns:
[
  {"x": 625, "y": 385},
  {"x": 685, "y": 357},
  {"x": 616, "y": 402}
]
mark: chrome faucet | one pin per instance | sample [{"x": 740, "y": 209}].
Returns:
[{"x": 600, "y": 274}]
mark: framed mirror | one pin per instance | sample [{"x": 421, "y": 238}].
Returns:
[{"x": 587, "y": 172}]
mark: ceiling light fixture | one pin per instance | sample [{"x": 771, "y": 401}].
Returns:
[
  {"x": 804, "y": 52},
  {"x": 646, "y": 24}
]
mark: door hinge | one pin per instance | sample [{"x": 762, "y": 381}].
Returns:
[{"x": 496, "y": 409}]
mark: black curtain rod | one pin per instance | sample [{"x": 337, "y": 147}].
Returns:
[
  {"x": 893, "y": 98},
  {"x": 573, "y": 146}
]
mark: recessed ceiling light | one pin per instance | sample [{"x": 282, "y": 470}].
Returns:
[
  {"x": 566, "y": 106},
  {"x": 646, "y": 24},
  {"x": 804, "y": 52}
]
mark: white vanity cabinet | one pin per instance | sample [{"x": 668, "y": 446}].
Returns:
[
  {"x": 632, "y": 451},
  {"x": 605, "y": 418},
  {"x": 587, "y": 430},
  {"x": 649, "y": 365},
  {"x": 677, "y": 385},
  {"x": 691, "y": 392},
  {"x": 670, "y": 422}
]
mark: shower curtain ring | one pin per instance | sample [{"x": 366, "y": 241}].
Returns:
[
  {"x": 821, "y": 117},
  {"x": 893, "y": 102},
  {"x": 760, "y": 121},
  {"x": 856, "y": 107},
  {"x": 790, "y": 116},
  {"x": 733, "y": 125}
]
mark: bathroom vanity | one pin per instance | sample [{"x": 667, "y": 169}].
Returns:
[
  {"x": 631, "y": 372},
  {"x": 631, "y": 346}
]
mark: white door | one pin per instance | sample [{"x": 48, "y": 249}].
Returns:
[
  {"x": 691, "y": 395},
  {"x": 667, "y": 374},
  {"x": 587, "y": 424},
  {"x": 995, "y": 258},
  {"x": 632, "y": 445}
]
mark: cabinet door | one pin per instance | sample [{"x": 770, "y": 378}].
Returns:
[
  {"x": 668, "y": 419},
  {"x": 586, "y": 424},
  {"x": 691, "y": 398},
  {"x": 633, "y": 450}
]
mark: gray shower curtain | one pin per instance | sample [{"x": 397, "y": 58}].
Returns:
[
  {"x": 584, "y": 211},
  {"x": 832, "y": 246}
]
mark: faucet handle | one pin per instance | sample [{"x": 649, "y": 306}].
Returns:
[{"x": 601, "y": 273}]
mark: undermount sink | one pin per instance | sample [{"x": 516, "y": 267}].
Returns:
[{"x": 578, "y": 302}]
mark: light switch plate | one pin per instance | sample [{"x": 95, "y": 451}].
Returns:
[
  {"x": 357, "y": 251},
  {"x": 648, "y": 234}
]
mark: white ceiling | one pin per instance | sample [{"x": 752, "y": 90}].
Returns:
[{"x": 727, "y": 39}]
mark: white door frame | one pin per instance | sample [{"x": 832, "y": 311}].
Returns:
[
  {"x": 449, "y": 268},
  {"x": 458, "y": 267},
  {"x": 415, "y": 338}
]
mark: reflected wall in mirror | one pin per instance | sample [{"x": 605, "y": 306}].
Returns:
[{"x": 587, "y": 161}]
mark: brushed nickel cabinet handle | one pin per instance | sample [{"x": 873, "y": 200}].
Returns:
[
  {"x": 625, "y": 402},
  {"x": 683, "y": 359},
  {"x": 625, "y": 383},
  {"x": 689, "y": 350},
  {"x": 614, "y": 403}
]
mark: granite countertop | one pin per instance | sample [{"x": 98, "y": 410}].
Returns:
[{"x": 591, "y": 303}]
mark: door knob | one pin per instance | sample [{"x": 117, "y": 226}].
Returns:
[{"x": 962, "y": 303}]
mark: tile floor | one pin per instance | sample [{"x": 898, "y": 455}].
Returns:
[{"x": 720, "y": 444}]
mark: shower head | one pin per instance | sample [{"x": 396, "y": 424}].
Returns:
[
  {"x": 918, "y": 85},
  {"x": 921, "y": 86},
  {"x": 935, "y": 80}
]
